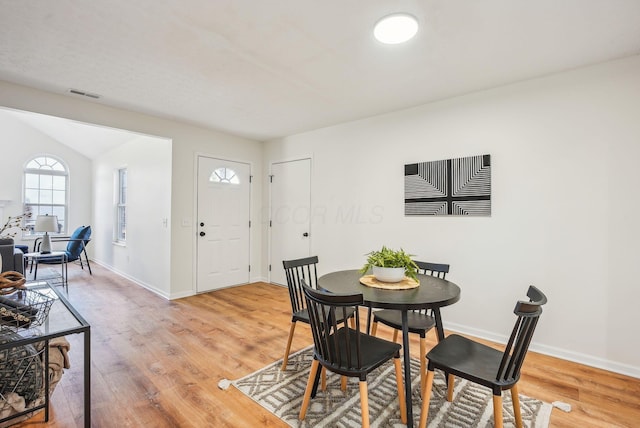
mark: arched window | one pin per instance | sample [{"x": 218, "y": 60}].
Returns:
[
  {"x": 224, "y": 175},
  {"x": 46, "y": 182}
]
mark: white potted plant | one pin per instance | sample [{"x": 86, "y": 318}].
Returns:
[{"x": 390, "y": 265}]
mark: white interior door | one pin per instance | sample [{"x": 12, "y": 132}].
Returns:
[
  {"x": 290, "y": 215},
  {"x": 222, "y": 224}
]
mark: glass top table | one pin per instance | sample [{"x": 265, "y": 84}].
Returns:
[
  {"x": 62, "y": 320},
  {"x": 61, "y": 256}
]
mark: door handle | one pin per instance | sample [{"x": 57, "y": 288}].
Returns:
[
  {"x": 305, "y": 234},
  {"x": 202, "y": 233}
]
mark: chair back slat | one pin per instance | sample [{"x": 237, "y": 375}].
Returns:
[
  {"x": 516, "y": 349},
  {"x": 439, "y": 270},
  {"x": 297, "y": 271},
  {"x": 332, "y": 336}
]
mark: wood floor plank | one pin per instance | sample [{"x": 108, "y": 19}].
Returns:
[{"x": 158, "y": 363}]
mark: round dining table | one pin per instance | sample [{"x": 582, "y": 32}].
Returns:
[{"x": 432, "y": 293}]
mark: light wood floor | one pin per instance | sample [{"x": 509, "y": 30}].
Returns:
[{"x": 157, "y": 363}]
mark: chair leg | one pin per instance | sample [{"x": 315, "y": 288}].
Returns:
[
  {"x": 87, "y": 260},
  {"x": 352, "y": 322},
  {"x": 423, "y": 361},
  {"x": 364, "y": 403},
  {"x": 323, "y": 376},
  {"x": 285, "y": 359},
  {"x": 497, "y": 411},
  {"x": 395, "y": 335},
  {"x": 426, "y": 396},
  {"x": 450, "y": 381},
  {"x": 374, "y": 328},
  {"x": 343, "y": 383},
  {"x": 401, "y": 398},
  {"x": 516, "y": 406},
  {"x": 307, "y": 392}
]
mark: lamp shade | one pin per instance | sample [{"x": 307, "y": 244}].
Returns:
[{"x": 46, "y": 223}]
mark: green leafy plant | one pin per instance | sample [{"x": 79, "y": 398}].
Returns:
[{"x": 387, "y": 257}]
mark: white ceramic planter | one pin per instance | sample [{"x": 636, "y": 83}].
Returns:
[{"x": 386, "y": 274}]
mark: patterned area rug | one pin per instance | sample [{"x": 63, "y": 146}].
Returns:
[{"x": 281, "y": 393}]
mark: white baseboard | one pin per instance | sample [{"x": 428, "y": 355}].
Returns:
[
  {"x": 135, "y": 280},
  {"x": 175, "y": 296},
  {"x": 172, "y": 296},
  {"x": 552, "y": 351},
  {"x": 260, "y": 279}
]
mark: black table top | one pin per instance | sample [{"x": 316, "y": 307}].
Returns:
[{"x": 432, "y": 293}]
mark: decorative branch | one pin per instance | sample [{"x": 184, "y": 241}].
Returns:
[{"x": 15, "y": 222}]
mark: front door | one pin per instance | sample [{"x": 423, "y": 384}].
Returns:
[
  {"x": 290, "y": 216},
  {"x": 222, "y": 224}
]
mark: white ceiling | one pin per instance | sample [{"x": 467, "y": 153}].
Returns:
[
  {"x": 264, "y": 69},
  {"x": 89, "y": 140}
]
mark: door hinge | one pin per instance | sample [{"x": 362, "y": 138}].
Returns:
[
  {"x": 269, "y": 223},
  {"x": 271, "y": 178},
  {"x": 269, "y": 268},
  {"x": 249, "y": 268},
  {"x": 249, "y": 223},
  {"x": 250, "y": 178}
]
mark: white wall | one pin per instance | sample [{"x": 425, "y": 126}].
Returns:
[
  {"x": 146, "y": 256},
  {"x": 188, "y": 140},
  {"x": 564, "y": 153},
  {"x": 20, "y": 143}
]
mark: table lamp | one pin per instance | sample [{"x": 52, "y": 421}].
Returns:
[{"x": 46, "y": 224}]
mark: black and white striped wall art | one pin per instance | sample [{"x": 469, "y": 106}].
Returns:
[{"x": 459, "y": 186}]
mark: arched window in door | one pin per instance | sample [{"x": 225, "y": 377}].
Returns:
[
  {"x": 46, "y": 184},
  {"x": 224, "y": 175}
]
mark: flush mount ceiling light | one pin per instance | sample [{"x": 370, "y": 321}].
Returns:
[{"x": 396, "y": 28}]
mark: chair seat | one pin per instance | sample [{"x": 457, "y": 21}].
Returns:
[
  {"x": 303, "y": 316},
  {"x": 55, "y": 260},
  {"x": 418, "y": 323},
  {"x": 374, "y": 352},
  {"x": 470, "y": 360}
]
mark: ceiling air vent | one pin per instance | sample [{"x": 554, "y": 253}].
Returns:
[{"x": 84, "y": 94}]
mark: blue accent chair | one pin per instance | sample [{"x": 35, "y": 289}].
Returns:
[{"x": 76, "y": 246}]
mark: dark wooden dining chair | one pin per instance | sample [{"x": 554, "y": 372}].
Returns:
[
  {"x": 296, "y": 271},
  {"x": 419, "y": 321},
  {"x": 344, "y": 350},
  {"x": 481, "y": 364}
]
